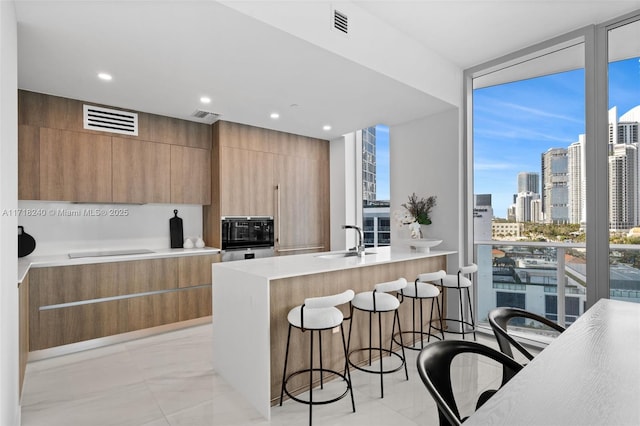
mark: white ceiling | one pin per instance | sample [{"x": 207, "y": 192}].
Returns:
[{"x": 165, "y": 55}]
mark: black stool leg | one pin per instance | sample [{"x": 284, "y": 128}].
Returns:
[
  {"x": 346, "y": 363},
  {"x": 430, "y": 322},
  {"x": 321, "y": 372},
  {"x": 346, "y": 366},
  {"x": 370, "y": 338},
  {"x": 440, "y": 316},
  {"x": 473, "y": 323},
  {"x": 422, "y": 328},
  {"x": 404, "y": 357},
  {"x": 380, "y": 341},
  {"x": 413, "y": 319},
  {"x": 461, "y": 314},
  {"x": 284, "y": 371},
  {"x": 310, "y": 376}
]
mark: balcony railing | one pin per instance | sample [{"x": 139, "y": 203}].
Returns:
[{"x": 539, "y": 276}]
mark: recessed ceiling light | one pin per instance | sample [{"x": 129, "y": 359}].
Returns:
[
  {"x": 205, "y": 100},
  {"x": 275, "y": 115},
  {"x": 104, "y": 76},
  {"x": 326, "y": 127}
]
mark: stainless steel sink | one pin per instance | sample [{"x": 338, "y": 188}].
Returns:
[
  {"x": 337, "y": 255},
  {"x": 103, "y": 253}
]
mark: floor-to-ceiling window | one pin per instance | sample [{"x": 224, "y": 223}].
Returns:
[
  {"x": 584, "y": 195},
  {"x": 375, "y": 186},
  {"x": 623, "y": 51},
  {"x": 528, "y": 137}
]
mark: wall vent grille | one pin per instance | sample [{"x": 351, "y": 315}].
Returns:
[
  {"x": 206, "y": 116},
  {"x": 340, "y": 21},
  {"x": 110, "y": 120}
]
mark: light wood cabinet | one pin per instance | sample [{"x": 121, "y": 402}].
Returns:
[
  {"x": 301, "y": 219},
  {"x": 23, "y": 329},
  {"x": 168, "y": 162},
  {"x": 261, "y": 172},
  {"x": 69, "y": 304},
  {"x": 28, "y": 162},
  {"x": 74, "y": 166},
  {"x": 195, "y": 278},
  {"x": 54, "y": 112},
  {"x": 190, "y": 175},
  {"x": 249, "y": 186},
  {"x": 141, "y": 171}
]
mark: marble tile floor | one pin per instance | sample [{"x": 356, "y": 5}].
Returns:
[{"x": 168, "y": 380}]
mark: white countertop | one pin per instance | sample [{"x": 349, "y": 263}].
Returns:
[
  {"x": 28, "y": 262},
  {"x": 305, "y": 264}
]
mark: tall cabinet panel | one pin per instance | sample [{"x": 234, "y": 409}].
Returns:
[
  {"x": 301, "y": 217},
  {"x": 75, "y": 166},
  {"x": 190, "y": 175},
  {"x": 28, "y": 162},
  {"x": 260, "y": 172},
  {"x": 141, "y": 171}
]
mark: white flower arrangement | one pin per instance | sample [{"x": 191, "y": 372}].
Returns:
[{"x": 416, "y": 213}]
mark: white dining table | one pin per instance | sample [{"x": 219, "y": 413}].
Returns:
[{"x": 589, "y": 375}]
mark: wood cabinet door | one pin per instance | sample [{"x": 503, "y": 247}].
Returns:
[
  {"x": 141, "y": 171},
  {"x": 247, "y": 180},
  {"x": 75, "y": 166},
  {"x": 303, "y": 202},
  {"x": 190, "y": 175},
  {"x": 28, "y": 162}
]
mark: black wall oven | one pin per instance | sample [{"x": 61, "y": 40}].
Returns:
[{"x": 246, "y": 237}]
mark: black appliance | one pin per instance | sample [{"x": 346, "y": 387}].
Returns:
[{"x": 245, "y": 232}]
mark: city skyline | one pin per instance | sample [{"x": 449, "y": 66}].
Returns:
[{"x": 523, "y": 119}]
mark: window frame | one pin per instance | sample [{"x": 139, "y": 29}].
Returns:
[{"x": 595, "y": 43}]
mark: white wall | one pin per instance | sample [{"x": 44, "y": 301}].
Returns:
[
  {"x": 9, "y": 408},
  {"x": 371, "y": 42},
  {"x": 343, "y": 189},
  {"x": 64, "y": 227},
  {"x": 425, "y": 158}
]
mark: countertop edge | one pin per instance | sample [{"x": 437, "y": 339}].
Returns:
[
  {"x": 28, "y": 262},
  {"x": 328, "y": 266}
]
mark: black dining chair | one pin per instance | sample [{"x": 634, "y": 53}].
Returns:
[
  {"x": 434, "y": 367},
  {"x": 500, "y": 317}
]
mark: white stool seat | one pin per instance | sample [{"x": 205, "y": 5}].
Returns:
[
  {"x": 452, "y": 281},
  {"x": 384, "y": 302},
  {"x": 315, "y": 319},
  {"x": 425, "y": 290}
]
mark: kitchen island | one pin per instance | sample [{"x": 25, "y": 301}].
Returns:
[{"x": 251, "y": 299}]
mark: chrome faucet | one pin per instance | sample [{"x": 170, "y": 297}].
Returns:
[{"x": 359, "y": 249}]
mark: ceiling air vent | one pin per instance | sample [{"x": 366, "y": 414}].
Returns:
[
  {"x": 340, "y": 21},
  {"x": 206, "y": 116},
  {"x": 110, "y": 120}
]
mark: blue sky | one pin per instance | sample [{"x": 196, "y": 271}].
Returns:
[
  {"x": 515, "y": 123},
  {"x": 382, "y": 162}
]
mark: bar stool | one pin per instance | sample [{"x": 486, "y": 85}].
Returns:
[
  {"x": 461, "y": 281},
  {"x": 318, "y": 314},
  {"x": 378, "y": 302},
  {"x": 421, "y": 290}
]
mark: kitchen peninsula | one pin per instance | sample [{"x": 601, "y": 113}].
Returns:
[{"x": 251, "y": 299}]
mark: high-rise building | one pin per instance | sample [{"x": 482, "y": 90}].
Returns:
[
  {"x": 524, "y": 206},
  {"x": 576, "y": 181},
  {"x": 624, "y": 176},
  {"x": 369, "y": 164},
  {"x": 555, "y": 192},
  {"x": 628, "y": 126},
  {"x": 623, "y": 187},
  {"x": 528, "y": 182}
]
